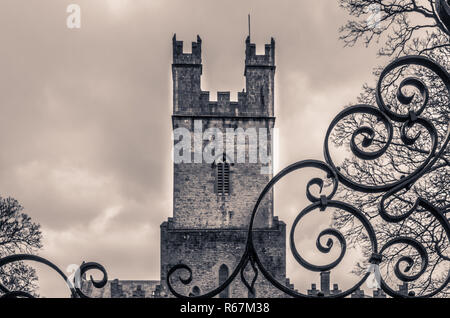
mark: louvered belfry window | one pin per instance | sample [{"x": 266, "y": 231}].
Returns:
[{"x": 223, "y": 178}]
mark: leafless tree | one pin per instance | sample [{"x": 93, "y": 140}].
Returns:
[
  {"x": 400, "y": 24},
  {"x": 404, "y": 27},
  {"x": 18, "y": 234}
]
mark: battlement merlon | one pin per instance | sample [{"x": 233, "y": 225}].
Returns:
[
  {"x": 180, "y": 58},
  {"x": 254, "y": 60}
]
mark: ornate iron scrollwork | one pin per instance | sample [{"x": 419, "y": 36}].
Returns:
[
  {"x": 73, "y": 284},
  {"x": 386, "y": 116}
]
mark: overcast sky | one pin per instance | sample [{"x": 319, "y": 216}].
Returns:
[{"x": 85, "y": 127}]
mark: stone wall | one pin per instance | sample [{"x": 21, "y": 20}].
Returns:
[
  {"x": 205, "y": 251},
  {"x": 196, "y": 204},
  {"x": 209, "y": 231}
]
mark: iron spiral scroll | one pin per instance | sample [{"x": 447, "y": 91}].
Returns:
[{"x": 386, "y": 116}]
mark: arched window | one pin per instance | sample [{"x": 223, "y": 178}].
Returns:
[
  {"x": 223, "y": 177},
  {"x": 223, "y": 275},
  {"x": 195, "y": 291}
]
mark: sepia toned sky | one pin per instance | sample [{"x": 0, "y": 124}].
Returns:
[{"x": 85, "y": 127}]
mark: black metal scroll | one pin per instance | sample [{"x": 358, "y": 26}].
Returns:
[{"x": 385, "y": 115}]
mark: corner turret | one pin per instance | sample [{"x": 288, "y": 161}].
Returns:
[
  {"x": 259, "y": 73},
  {"x": 186, "y": 73}
]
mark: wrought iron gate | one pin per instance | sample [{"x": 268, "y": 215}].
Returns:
[{"x": 385, "y": 115}]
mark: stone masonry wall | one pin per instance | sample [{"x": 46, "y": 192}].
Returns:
[
  {"x": 196, "y": 204},
  {"x": 205, "y": 251}
]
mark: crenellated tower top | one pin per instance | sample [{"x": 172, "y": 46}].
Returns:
[{"x": 257, "y": 100}]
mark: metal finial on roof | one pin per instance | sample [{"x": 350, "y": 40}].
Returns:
[{"x": 249, "y": 25}]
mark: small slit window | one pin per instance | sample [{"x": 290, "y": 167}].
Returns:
[{"x": 223, "y": 178}]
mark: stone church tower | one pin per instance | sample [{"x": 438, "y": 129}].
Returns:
[{"x": 212, "y": 202}]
